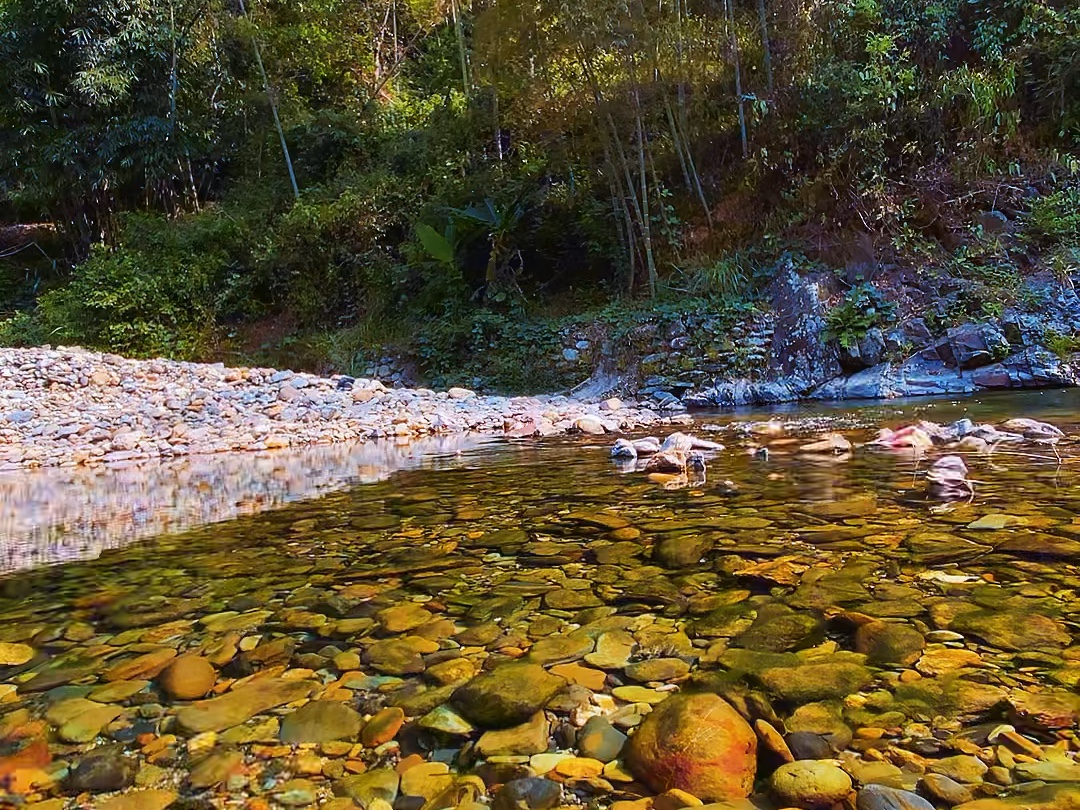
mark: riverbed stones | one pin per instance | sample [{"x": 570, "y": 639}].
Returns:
[
  {"x": 426, "y": 780},
  {"x": 945, "y": 790},
  {"x": 147, "y": 665},
  {"x": 403, "y": 655},
  {"x": 561, "y": 649},
  {"x": 103, "y": 770},
  {"x": 402, "y": 618},
  {"x": 530, "y": 793},
  {"x": 240, "y": 705},
  {"x": 531, "y": 737},
  {"x": 880, "y": 797},
  {"x": 697, "y": 743},
  {"x": 942, "y": 660},
  {"x": 444, "y": 719},
  {"x": 657, "y": 669},
  {"x": 810, "y": 783},
  {"x": 13, "y": 655},
  {"x": 778, "y": 628},
  {"x": 508, "y": 695},
  {"x": 886, "y": 643},
  {"x": 1051, "y": 709},
  {"x": 815, "y": 682},
  {"x": 188, "y": 678},
  {"x": 613, "y": 650},
  {"x": 320, "y": 721},
  {"x": 379, "y": 784},
  {"x": 1012, "y": 630},
  {"x": 961, "y": 768},
  {"x": 216, "y": 767},
  {"x": 383, "y": 726},
  {"x": 599, "y": 739}
]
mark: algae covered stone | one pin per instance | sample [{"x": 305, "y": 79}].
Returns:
[
  {"x": 810, "y": 783},
  {"x": 697, "y": 743},
  {"x": 813, "y": 682},
  {"x": 508, "y": 695},
  {"x": 320, "y": 721}
]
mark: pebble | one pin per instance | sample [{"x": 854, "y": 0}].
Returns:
[
  {"x": 879, "y": 797},
  {"x": 103, "y": 770},
  {"x": 320, "y": 721},
  {"x": 945, "y": 789},
  {"x": 188, "y": 678},
  {"x": 810, "y": 783},
  {"x": 600, "y": 740},
  {"x": 13, "y": 655},
  {"x": 697, "y": 743}
]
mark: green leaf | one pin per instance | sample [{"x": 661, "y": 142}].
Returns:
[{"x": 436, "y": 245}]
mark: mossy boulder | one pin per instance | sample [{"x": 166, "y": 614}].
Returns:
[{"x": 507, "y": 696}]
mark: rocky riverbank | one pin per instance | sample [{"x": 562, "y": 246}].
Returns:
[{"x": 68, "y": 407}]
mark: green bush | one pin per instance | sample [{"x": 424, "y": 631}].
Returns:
[
  {"x": 1056, "y": 216},
  {"x": 1064, "y": 346},
  {"x": 863, "y": 308},
  {"x": 22, "y": 329},
  {"x": 163, "y": 290}
]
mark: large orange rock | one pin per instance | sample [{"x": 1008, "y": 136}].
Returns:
[{"x": 697, "y": 743}]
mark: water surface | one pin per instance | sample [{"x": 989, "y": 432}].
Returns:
[{"x": 546, "y": 550}]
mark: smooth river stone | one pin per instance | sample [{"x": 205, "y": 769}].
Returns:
[
  {"x": 80, "y": 720},
  {"x": 14, "y": 655},
  {"x": 560, "y": 649},
  {"x": 321, "y": 721},
  {"x": 240, "y": 705},
  {"x": 613, "y": 650},
  {"x": 144, "y": 666}
]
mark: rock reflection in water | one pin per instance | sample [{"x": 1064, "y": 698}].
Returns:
[{"x": 50, "y": 516}]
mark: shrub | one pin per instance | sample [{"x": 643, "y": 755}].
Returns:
[
  {"x": 863, "y": 308},
  {"x": 162, "y": 290}
]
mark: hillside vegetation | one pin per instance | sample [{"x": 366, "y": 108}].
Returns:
[{"x": 311, "y": 182}]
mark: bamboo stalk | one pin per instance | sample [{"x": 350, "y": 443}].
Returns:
[
  {"x": 274, "y": 110},
  {"x": 763, "y": 20},
  {"x": 462, "y": 56},
  {"x": 738, "y": 75}
]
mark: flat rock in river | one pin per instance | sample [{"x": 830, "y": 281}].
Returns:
[{"x": 239, "y": 705}]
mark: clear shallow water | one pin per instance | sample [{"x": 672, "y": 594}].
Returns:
[{"x": 519, "y": 543}]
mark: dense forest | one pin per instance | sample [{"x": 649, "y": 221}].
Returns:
[{"x": 320, "y": 179}]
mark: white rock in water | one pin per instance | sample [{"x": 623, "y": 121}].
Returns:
[
  {"x": 592, "y": 425},
  {"x": 647, "y": 445},
  {"x": 460, "y": 393},
  {"x": 678, "y": 443}
]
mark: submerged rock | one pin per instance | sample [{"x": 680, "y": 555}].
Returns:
[
  {"x": 320, "y": 721},
  {"x": 508, "y": 695},
  {"x": 697, "y": 743},
  {"x": 188, "y": 678},
  {"x": 879, "y": 797},
  {"x": 103, "y": 770},
  {"x": 809, "y": 783},
  {"x": 814, "y": 682}
]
